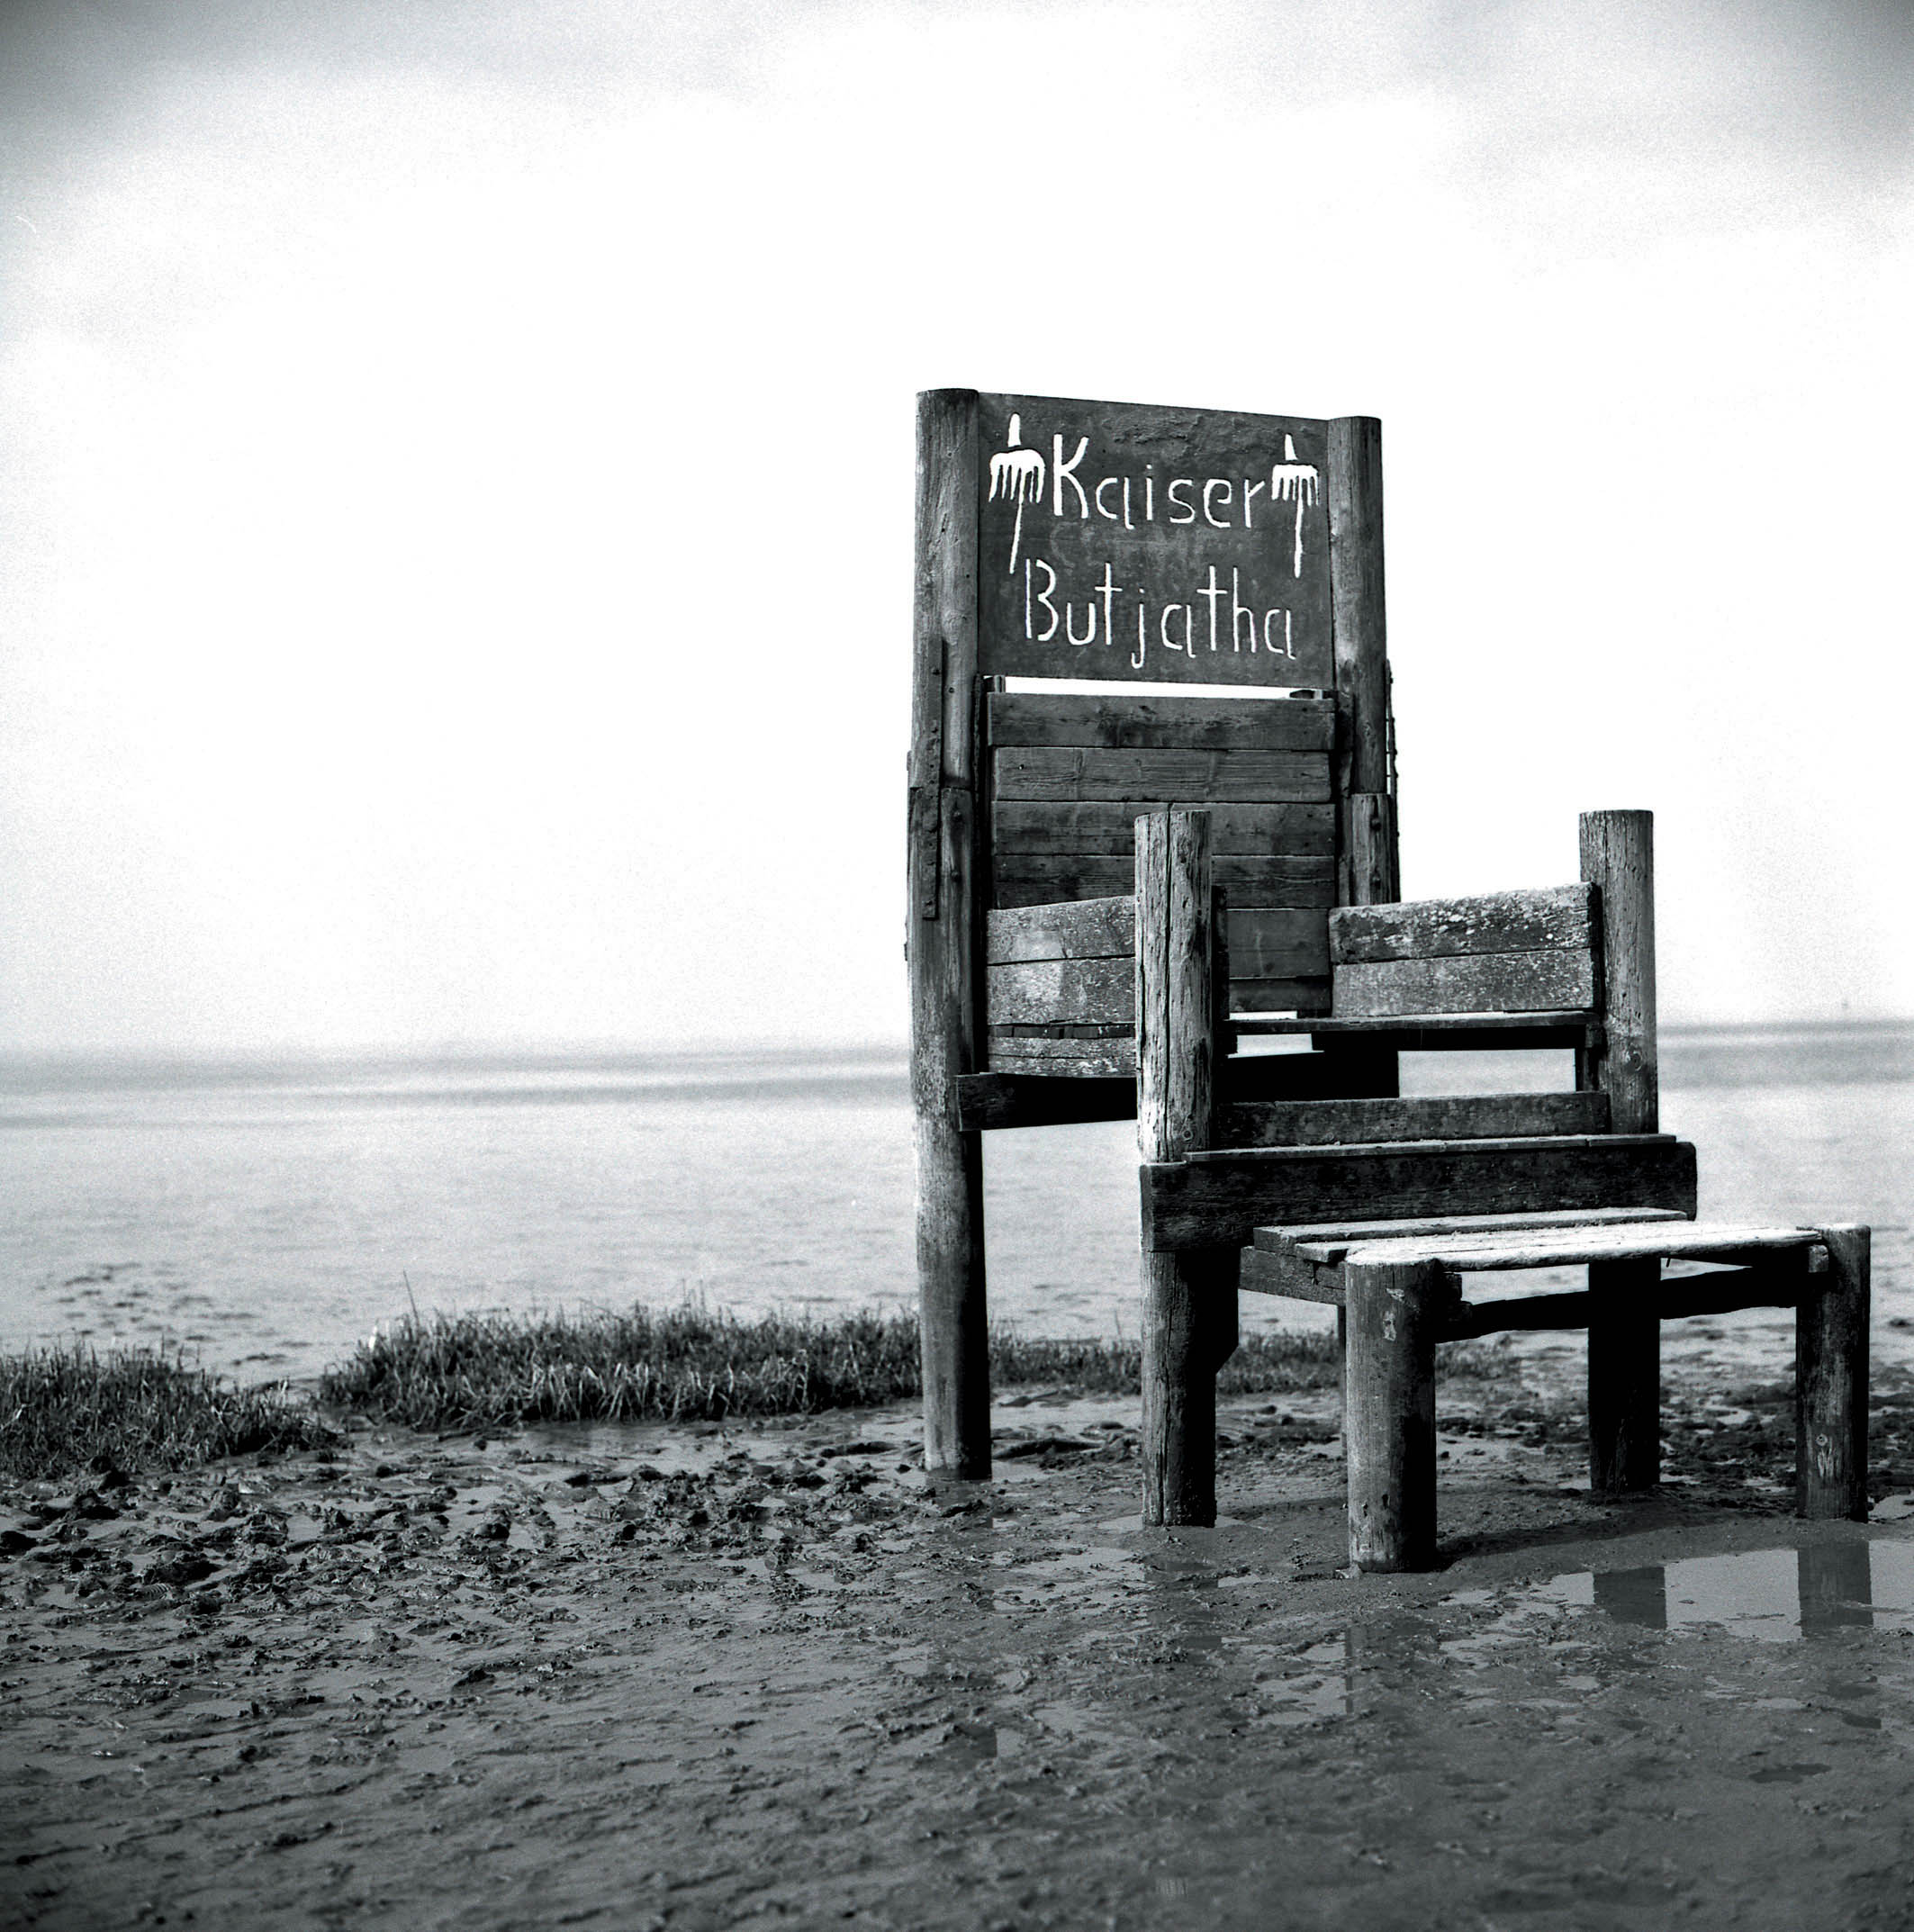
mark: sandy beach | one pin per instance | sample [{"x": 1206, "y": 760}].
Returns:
[{"x": 768, "y": 1675}]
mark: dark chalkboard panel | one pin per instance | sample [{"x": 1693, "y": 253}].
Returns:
[{"x": 1136, "y": 541}]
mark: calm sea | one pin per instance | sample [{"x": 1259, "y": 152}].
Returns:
[{"x": 265, "y": 1214}]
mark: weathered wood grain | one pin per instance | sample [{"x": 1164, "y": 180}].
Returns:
[
  {"x": 946, "y": 857},
  {"x": 998, "y": 1100},
  {"x": 1222, "y": 1198},
  {"x": 1064, "y": 774},
  {"x": 1163, "y": 723},
  {"x": 1340, "y": 1123},
  {"x": 1618, "y": 859},
  {"x": 1496, "y": 1030},
  {"x": 1083, "y": 929},
  {"x": 1046, "y": 879},
  {"x": 1486, "y": 982},
  {"x": 1660, "y": 1240},
  {"x": 1831, "y": 1381},
  {"x": 1330, "y": 1241},
  {"x": 1063, "y": 1059},
  {"x": 1262, "y": 831},
  {"x": 1388, "y": 1397},
  {"x": 1061, "y": 991},
  {"x": 1670, "y": 1301},
  {"x": 1369, "y": 868},
  {"x": 1498, "y": 922},
  {"x": 1189, "y": 1299}
]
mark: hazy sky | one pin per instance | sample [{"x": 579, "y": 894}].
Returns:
[{"x": 455, "y": 469}]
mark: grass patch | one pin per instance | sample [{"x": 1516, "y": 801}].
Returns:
[
  {"x": 64, "y": 1412},
  {"x": 689, "y": 1363}
]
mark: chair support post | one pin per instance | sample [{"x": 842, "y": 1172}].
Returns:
[
  {"x": 945, "y": 946},
  {"x": 1831, "y": 1381},
  {"x": 1389, "y": 1412},
  {"x": 1190, "y": 1314},
  {"x": 1624, "y": 1377}
]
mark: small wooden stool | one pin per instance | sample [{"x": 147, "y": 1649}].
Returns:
[{"x": 1399, "y": 1286}]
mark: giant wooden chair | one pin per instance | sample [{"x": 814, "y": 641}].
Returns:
[{"x": 1109, "y": 894}]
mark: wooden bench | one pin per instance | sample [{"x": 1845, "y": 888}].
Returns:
[{"x": 1399, "y": 1284}]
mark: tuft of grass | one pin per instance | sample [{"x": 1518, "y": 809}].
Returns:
[
  {"x": 67, "y": 1411},
  {"x": 690, "y": 1364}
]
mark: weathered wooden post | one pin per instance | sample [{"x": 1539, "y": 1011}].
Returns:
[
  {"x": 1624, "y": 1328},
  {"x": 1176, "y": 1040},
  {"x": 1831, "y": 1381},
  {"x": 1389, "y": 1412},
  {"x": 1368, "y": 867},
  {"x": 944, "y": 932}
]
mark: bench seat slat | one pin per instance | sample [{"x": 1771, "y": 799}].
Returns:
[{"x": 1698, "y": 1241}]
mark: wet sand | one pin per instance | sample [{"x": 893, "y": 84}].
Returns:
[{"x": 768, "y": 1675}]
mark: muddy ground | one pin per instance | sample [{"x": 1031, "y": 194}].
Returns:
[{"x": 765, "y": 1675}]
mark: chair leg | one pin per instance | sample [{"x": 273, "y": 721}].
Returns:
[
  {"x": 1831, "y": 1381},
  {"x": 1624, "y": 1377},
  {"x": 1181, "y": 1344},
  {"x": 1389, "y": 1412}
]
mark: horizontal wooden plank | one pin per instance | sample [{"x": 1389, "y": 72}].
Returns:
[
  {"x": 1498, "y": 922},
  {"x": 1045, "y": 879},
  {"x": 1340, "y": 1236},
  {"x": 1278, "y": 943},
  {"x": 1000, "y": 1100},
  {"x": 1485, "y": 982},
  {"x": 1299, "y": 995},
  {"x": 1051, "y": 990},
  {"x": 1673, "y": 1301},
  {"x": 1510, "y": 1248},
  {"x": 1266, "y": 1271},
  {"x": 1164, "y": 724},
  {"x": 1447, "y": 1118},
  {"x": 1083, "y": 929},
  {"x": 1184, "y": 778},
  {"x": 1108, "y": 826},
  {"x": 1220, "y": 1200},
  {"x": 1065, "y": 1059}
]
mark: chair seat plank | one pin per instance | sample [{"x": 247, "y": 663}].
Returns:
[
  {"x": 1347, "y": 1232},
  {"x": 1573, "y": 1247}
]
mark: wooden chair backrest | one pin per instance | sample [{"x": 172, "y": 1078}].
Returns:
[{"x": 1067, "y": 775}]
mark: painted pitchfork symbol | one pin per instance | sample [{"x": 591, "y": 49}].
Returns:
[
  {"x": 1293, "y": 482},
  {"x": 1016, "y": 476}
]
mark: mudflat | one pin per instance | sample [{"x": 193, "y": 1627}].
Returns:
[{"x": 768, "y": 1675}]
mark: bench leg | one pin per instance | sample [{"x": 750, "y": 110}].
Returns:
[
  {"x": 1831, "y": 1381},
  {"x": 1624, "y": 1377},
  {"x": 1389, "y": 1412}
]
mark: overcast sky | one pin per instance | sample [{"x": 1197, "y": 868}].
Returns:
[{"x": 455, "y": 469}]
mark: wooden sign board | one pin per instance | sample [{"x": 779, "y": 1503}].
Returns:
[{"x": 1129, "y": 540}]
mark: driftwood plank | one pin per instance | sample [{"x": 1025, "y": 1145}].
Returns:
[
  {"x": 1499, "y": 922},
  {"x": 1108, "y": 826},
  {"x": 1191, "y": 777},
  {"x": 1490, "y": 982},
  {"x": 1671, "y": 1301},
  {"x": 1164, "y": 724},
  {"x": 1033, "y": 879},
  {"x": 998, "y": 1100},
  {"x": 1085, "y": 929},
  {"x": 1340, "y": 1123},
  {"x": 1055, "y": 991},
  {"x": 1222, "y": 1198},
  {"x": 1065, "y": 1059}
]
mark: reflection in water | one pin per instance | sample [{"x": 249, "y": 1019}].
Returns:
[
  {"x": 1634, "y": 1596},
  {"x": 1776, "y": 1595}
]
